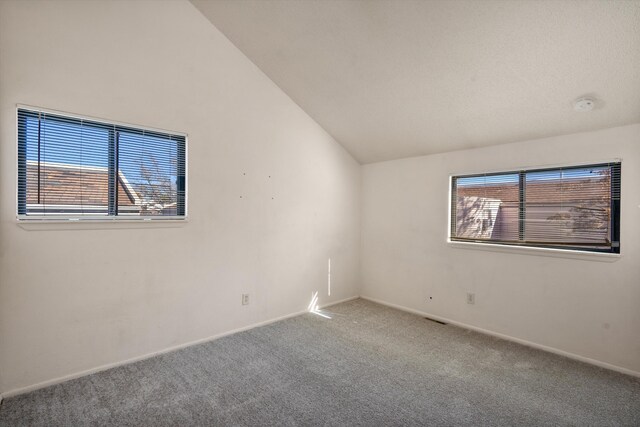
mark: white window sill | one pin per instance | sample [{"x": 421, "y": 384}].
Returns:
[
  {"x": 33, "y": 224},
  {"x": 548, "y": 252}
]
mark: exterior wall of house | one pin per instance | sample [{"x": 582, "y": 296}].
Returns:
[
  {"x": 271, "y": 196},
  {"x": 584, "y": 307},
  {"x": 570, "y": 210}
]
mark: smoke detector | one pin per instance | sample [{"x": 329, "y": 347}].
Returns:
[{"x": 582, "y": 105}]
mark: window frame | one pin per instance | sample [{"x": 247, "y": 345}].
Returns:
[
  {"x": 567, "y": 250},
  {"x": 68, "y": 218}
]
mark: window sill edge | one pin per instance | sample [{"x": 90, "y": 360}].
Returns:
[
  {"x": 547, "y": 252},
  {"x": 97, "y": 224}
]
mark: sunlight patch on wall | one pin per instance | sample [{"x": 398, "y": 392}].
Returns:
[
  {"x": 329, "y": 278},
  {"x": 313, "y": 306}
]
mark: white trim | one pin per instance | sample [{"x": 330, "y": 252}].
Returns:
[
  {"x": 66, "y": 217},
  {"x": 58, "y": 380},
  {"x": 54, "y": 207},
  {"x": 532, "y": 250},
  {"x": 329, "y": 304},
  {"x": 16, "y": 174},
  {"x": 186, "y": 176},
  {"x": 449, "y": 203},
  {"x": 509, "y": 338},
  {"x": 517, "y": 169},
  {"x": 95, "y": 119},
  {"x": 98, "y": 224},
  {"x": 129, "y": 189},
  {"x": 69, "y": 166}
]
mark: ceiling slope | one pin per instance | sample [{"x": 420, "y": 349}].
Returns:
[{"x": 393, "y": 79}]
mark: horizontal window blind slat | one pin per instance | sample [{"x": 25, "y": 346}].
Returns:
[
  {"x": 73, "y": 166},
  {"x": 557, "y": 207}
]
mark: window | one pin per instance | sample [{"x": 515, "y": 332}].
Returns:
[
  {"x": 75, "y": 168},
  {"x": 574, "y": 208}
]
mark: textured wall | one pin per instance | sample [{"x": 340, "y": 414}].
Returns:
[
  {"x": 586, "y": 307},
  {"x": 271, "y": 196}
]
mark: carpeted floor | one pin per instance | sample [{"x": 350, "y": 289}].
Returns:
[{"x": 368, "y": 365}]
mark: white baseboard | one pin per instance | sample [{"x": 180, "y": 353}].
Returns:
[
  {"x": 509, "y": 338},
  {"x": 64, "y": 378},
  {"x": 329, "y": 304}
]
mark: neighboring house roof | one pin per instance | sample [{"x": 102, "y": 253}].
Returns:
[
  {"x": 571, "y": 209},
  {"x": 566, "y": 190},
  {"x": 65, "y": 184}
]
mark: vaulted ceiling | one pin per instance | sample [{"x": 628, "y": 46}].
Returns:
[{"x": 392, "y": 79}]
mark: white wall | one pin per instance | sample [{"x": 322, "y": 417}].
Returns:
[
  {"x": 584, "y": 307},
  {"x": 77, "y": 299},
  {"x": 74, "y": 299}
]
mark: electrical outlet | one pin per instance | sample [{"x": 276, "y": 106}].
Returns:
[
  {"x": 471, "y": 298},
  {"x": 245, "y": 299}
]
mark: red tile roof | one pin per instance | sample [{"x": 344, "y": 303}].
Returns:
[{"x": 62, "y": 184}]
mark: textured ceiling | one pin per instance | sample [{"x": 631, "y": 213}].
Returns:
[{"x": 392, "y": 79}]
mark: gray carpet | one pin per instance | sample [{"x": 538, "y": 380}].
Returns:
[{"x": 368, "y": 365}]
